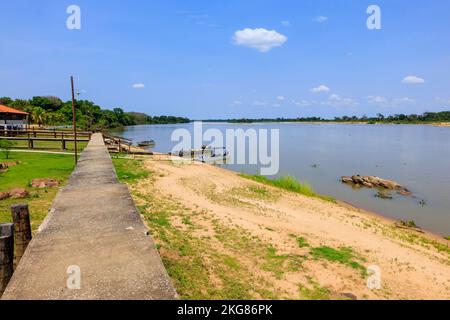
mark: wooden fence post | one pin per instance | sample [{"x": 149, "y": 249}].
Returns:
[
  {"x": 6, "y": 254},
  {"x": 22, "y": 229}
]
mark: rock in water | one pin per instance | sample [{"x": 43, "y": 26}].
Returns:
[{"x": 376, "y": 182}]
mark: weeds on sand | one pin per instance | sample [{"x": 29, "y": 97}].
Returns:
[
  {"x": 314, "y": 291},
  {"x": 129, "y": 170},
  {"x": 290, "y": 184},
  {"x": 343, "y": 255}
]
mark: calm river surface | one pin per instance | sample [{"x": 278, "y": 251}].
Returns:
[{"x": 413, "y": 155}]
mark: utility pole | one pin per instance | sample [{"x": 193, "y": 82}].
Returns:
[{"x": 74, "y": 121}]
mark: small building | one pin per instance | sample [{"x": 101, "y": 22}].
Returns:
[{"x": 12, "y": 119}]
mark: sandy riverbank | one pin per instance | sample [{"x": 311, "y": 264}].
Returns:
[{"x": 223, "y": 236}]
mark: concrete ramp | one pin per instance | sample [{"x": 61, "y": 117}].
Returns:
[{"x": 94, "y": 226}]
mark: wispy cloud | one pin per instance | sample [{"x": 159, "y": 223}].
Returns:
[
  {"x": 403, "y": 101},
  {"x": 260, "y": 39},
  {"x": 138, "y": 86},
  {"x": 376, "y": 100},
  {"x": 413, "y": 80},
  {"x": 336, "y": 100},
  {"x": 321, "y": 19},
  {"x": 286, "y": 23},
  {"x": 385, "y": 102},
  {"x": 302, "y": 103},
  {"x": 442, "y": 101},
  {"x": 260, "y": 103}
]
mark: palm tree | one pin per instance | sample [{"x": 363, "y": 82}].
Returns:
[{"x": 38, "y": 115}]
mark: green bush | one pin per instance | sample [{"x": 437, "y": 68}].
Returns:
[{"x": 6, "y": 146}]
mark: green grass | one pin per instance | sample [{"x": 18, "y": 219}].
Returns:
[
  {"x": 129, "y": 170},
  {"x": 343, "y": 255},
  {"x": 302, "y": 243},
  {"x": 314, "y": 291},
  {"x": 290, "y": 184},
  {"x": 32, "y": 166},
  {"x": 447, "y": 238}
]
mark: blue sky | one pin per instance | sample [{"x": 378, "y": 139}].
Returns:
[{"x": 186, "y": 58}]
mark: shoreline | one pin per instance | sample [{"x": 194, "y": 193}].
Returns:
[
  {"x": 290, "y": 240},
  {"x": 434, "y": 124},
  {"x": 369, "y": 212}
]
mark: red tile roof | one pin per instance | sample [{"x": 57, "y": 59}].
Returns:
[{"x": 5, "y": 109}]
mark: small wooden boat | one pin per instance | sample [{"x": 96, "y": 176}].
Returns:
[{"x": 150, "y": 143}]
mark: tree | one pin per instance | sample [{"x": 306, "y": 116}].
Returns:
[
  {"x": 47, "y": 103},
  {"x": 38, "y": 116},
  {"x": 6, "y": 101},
  {"x": 5, "y": 147}
]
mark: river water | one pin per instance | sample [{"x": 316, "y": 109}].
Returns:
[{"x": 416, "y": 156}]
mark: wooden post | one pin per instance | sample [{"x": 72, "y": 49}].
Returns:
[
  {"x": 74, "y": 116},
  {"x": 6, "y": 254},
  {"x": 22, "y": 229},
  {"x": 29, "y": 141}
]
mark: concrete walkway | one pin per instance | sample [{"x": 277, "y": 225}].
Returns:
[{"x": 94, "y": 225}]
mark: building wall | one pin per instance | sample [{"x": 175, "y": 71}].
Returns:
[{"x": 8, "y": 121}]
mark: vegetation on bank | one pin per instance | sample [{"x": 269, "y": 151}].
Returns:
[
  {"x": 207, "y": 258},
  {"x": 33, "y": 166},
  {"x": 427, "y": 117},
  {"x": 290, "y": 184},
  {"x": 52, "y": 111}
]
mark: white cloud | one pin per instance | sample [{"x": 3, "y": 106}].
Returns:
[
  {"x": 280, "y": 98},
  {"x": 260, "y": 39},
  {"x": 320, "y": 19},
  {"x": 237, "y": 103},
  {"x": 138, "y": 86},
  {"x": 286, "y": 23},
  {"x": 413, "y": 80},
  {"x": 320, "y": 89}
]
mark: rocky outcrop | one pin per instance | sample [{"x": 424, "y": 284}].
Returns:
[
  {"x": 376, "y": 182},
  {"x": 4, "y": 195},
  {"x": 18, "y": 193},
  {"x": 44, "y": 183}
]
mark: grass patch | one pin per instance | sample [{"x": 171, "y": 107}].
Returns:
[
  {"x": 129, "y": 170},
  {"x": 447, "y": 238},
  {"x": 302, "y": 243},
  {"x": 290, "y": 184},
  {"x": 343, "y": 255},
  {"x": 280, "y": 264},
  {"x": 32, "y": 166},
  {"x": 314, "y": 291}
]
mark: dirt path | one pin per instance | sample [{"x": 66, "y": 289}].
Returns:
[{"x": 271, "y": 243}]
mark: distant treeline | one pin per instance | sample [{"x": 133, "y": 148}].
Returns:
[
  {"x": 52, "y": 111},
  {"x": 427, "y": 117}
]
